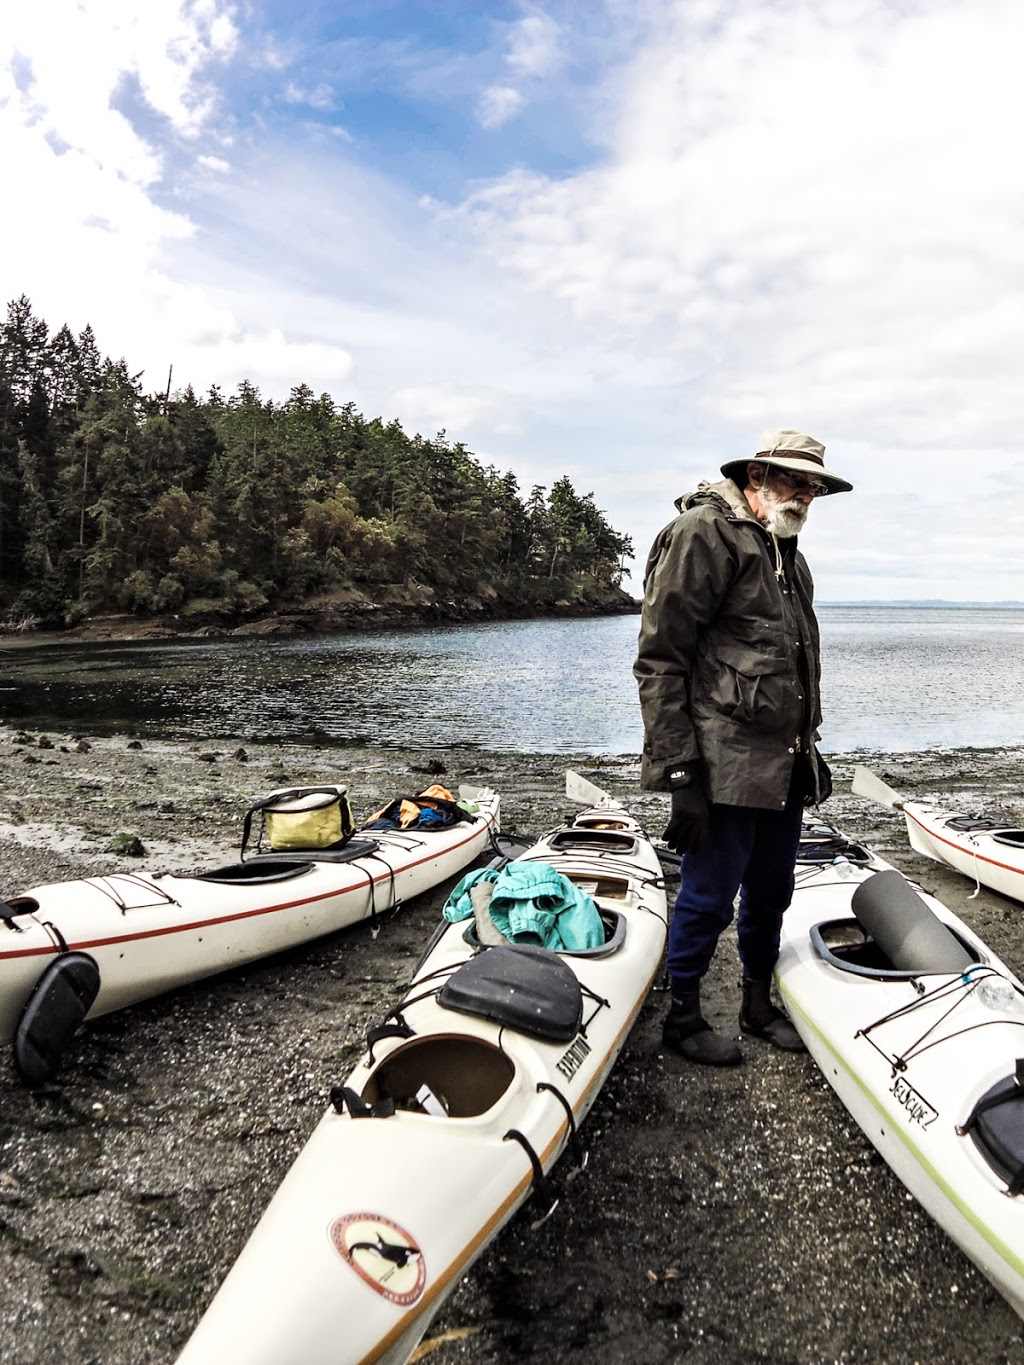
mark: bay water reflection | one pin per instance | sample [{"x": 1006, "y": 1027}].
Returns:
[{"x": 894, "y": 678}]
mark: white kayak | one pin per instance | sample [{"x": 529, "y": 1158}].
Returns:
[
  {"x": 77, "y": 949},
  {"x": 990, "y": 852},
  {"x": 918, "y": 1027},
  {"x": 454, "y": 1116}
]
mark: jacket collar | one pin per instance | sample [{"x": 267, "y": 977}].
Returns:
[
  {"x": 730, "y": 499},
  {"x": 726, "y": 493}
]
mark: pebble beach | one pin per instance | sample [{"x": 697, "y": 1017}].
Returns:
[{"x": 724, "y": 1216}]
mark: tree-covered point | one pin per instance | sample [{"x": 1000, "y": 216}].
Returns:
[{"x": 114, "y": 500}]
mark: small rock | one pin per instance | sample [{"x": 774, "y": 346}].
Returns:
[
  {"x": 435, "y": 766},
  {"x": 241, "y": 756},
  {"x": 45, "y": 743},
  {"x": 128, "y": 845},
  {"x": 207, "y": 758},
  {"x": 83, "y": 747},
  {"x": 134, "y": 744}
]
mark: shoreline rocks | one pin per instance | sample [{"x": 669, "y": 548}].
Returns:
[{"x": 385, "y": 607}]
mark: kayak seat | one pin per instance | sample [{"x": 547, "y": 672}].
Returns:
[
  {"x": 613, "y": 921},
  {"x": 906, "y": 929},
  {"x": 1013, "y": 837},
  {"x": 525, "y": 988},
  {"x": 996, "y": 1127}
]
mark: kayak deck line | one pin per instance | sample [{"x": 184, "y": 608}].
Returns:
[
  {"x": 916, "y": 1025},
  {"x": 75, "y": 950},
  {"x": 1014, "y": 1259},
  {"x": 469, "y": 1094},
  {"x": 364, "y": 884},
  {"x": 971, "y": 852},
  {"x": 952, "y": 837},
  {"x": 457, "y": 1267}
]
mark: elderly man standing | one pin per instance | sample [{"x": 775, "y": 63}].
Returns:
[{"x": 728, "y": 669}]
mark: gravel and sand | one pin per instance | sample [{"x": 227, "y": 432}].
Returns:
[{"x": 724, "y": 1217}]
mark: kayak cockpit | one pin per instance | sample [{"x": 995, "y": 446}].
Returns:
[
  {"x": 252, "y": 873},
  {"x": 444, "y": 1074},
  {"x": 893, "y": 934},
  {"x": 996, "y": 1127},
  {"x": 602, "y": 820},
  {"x": 845, "y": 945},
  {"x": 273, "y": 867},
  {"x": 593, "y": 839},
  {"x": 613, "y": 923},
  {"x": 821, "y": 843},
  {"x": 982, "y": 824}
]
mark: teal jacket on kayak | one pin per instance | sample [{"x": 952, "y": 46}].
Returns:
[{"x": 532, "y": 903}]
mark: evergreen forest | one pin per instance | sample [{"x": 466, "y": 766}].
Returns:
[{"x": 115, "y": 500}]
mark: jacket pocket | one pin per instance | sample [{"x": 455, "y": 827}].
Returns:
[{"x": 749, "y": 687}]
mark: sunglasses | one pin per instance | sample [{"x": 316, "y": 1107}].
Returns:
[{"x": 799, "y": 484}]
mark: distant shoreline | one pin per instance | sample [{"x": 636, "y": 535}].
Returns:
[
  {"x": 124, "y": 628},
  {"x": 359, "y": 616}
]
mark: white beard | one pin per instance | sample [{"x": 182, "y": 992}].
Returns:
[{"x": 783, "y": 518}]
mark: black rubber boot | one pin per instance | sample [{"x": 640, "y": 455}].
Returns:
[
  {"x": 687, "y": 1032},
  {"x": 761, "y": 1019}
]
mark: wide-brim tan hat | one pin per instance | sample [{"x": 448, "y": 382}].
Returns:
[{"x": 789, "y": 450}]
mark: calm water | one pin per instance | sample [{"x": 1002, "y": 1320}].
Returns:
[{"x": 894, "y": 678}]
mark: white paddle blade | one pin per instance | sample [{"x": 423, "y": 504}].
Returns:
[
  {"x": 577, "y": 788},
  {"x": 866, "y": 784}
]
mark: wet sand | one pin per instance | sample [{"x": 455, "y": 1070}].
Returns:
[{"x": 724, "y": 1216}]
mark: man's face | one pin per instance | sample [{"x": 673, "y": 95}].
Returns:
[{"x": 785, "y": 499}]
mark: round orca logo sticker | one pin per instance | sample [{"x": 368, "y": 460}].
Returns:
[{"x": 382, "y": 1254}]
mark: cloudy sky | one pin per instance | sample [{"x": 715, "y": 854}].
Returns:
[{"x": 615, "y": 238}]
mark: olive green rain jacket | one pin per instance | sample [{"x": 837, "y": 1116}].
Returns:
[{"x": 728, "y": 663}]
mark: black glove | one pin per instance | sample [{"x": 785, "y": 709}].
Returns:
[
  {"x": 688, "y": 822},
  {"x": 824, "y": 782}
]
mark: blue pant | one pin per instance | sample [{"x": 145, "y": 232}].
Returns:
[{"x": 745, "y": 848}]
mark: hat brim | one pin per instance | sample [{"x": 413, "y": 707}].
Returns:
[{"x": 737, "y": 470}]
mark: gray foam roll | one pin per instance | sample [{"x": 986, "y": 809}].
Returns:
[{"x": 908, "y": 932}]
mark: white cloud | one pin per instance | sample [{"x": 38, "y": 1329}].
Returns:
[
  {"x": 811, "y": 215},
  {"x": 533, "y": 53},
  {"x": 535, "y": 46},
  {"x": 320, "y": 97},
  {"x": 262, "y": 357},
  {"x": 93, "y": 240},
  {"x": 497, "y": 105},
  {"x": 461, "y": 412}
]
